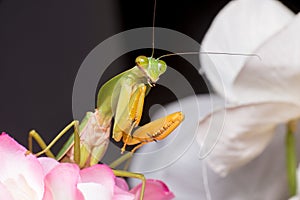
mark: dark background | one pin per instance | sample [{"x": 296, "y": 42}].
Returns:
[{"x": 43, "y": 43}]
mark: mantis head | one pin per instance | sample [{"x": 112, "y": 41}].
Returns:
[{"x": 152, "y": 67}]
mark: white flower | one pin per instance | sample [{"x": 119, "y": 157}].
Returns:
[
  {"x": 263, "y": 177},
  {"x": 242, "y": 26},
  {"x": 187, "y": 176},
  {"x": 264, "y": 92}
]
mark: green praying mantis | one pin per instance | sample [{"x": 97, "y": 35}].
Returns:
[{"x": 121, "y": 98}]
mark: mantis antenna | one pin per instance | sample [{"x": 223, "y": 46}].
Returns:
[
  {"x": 209, "y": 52},
  {"x": 153, "y": 27},
  {"x": 189, "y": 53}
]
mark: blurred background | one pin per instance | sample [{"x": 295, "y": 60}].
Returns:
[{"x": 43, "y": 44}]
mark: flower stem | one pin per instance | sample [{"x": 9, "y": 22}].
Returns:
[{"x": 291, "y": 160}]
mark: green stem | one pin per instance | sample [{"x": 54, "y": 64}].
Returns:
[
  {"x": 120, "y": 160},
  {"x": 291, "y": 159}
]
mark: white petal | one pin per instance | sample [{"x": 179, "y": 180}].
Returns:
[
  {"x": 277, "y": 75},
  {"x": 298, "y": 185},
  {"x": 94, "y": 191},
  {"x": 4, "y": 193},
  {"x": 187, "y": 177},
  {"x": 153, "y": 158},
  {"x": 240, "y": 27},
  {"x": 244, "y": 133},
  {"x": 181, "y": 138}
]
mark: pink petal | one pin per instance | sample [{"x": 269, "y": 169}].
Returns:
[
  {"x": 48, "y": 164},
  {"x": 122, "y": 184},
  {"x": 104, "y": 176},
  {"x": 61, "y": 183},
  {"x": 121, "y": 190},
  {"x": 230, "y": 138},
  {"x": 9, "y": 145},
  {"x": 120, "y": 194},
  {"x": 19, "y": 171},
  {"x": 101, "y": 174},
  {"x": 155, "y": 190}
]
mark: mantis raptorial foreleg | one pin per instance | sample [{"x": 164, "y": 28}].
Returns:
[
  {"x": 129, "y": 109},
  {"x": 153, "y": 131},
  {"x": 130, "y": 115},
  {"x": 46, "y": 148}
]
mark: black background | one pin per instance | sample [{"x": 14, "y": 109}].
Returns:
[{"x": 43, "y": 43}]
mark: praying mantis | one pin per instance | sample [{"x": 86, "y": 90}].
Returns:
[{"x": 121, "y": 98}]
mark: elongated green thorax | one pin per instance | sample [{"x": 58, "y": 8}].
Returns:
[{"x": 147, "y": 71}]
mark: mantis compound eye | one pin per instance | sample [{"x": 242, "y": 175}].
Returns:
[
  {"x": 142, "y": 61},
  {"x": 162, "y": 66}
]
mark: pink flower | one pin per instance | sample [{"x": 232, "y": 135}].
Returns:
[
  {"x": 155, "y": 190},
  {"x": 67, "y": 181},
  {"x": 22, "y": 175},
  {"x": 27, "y": 177}
]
